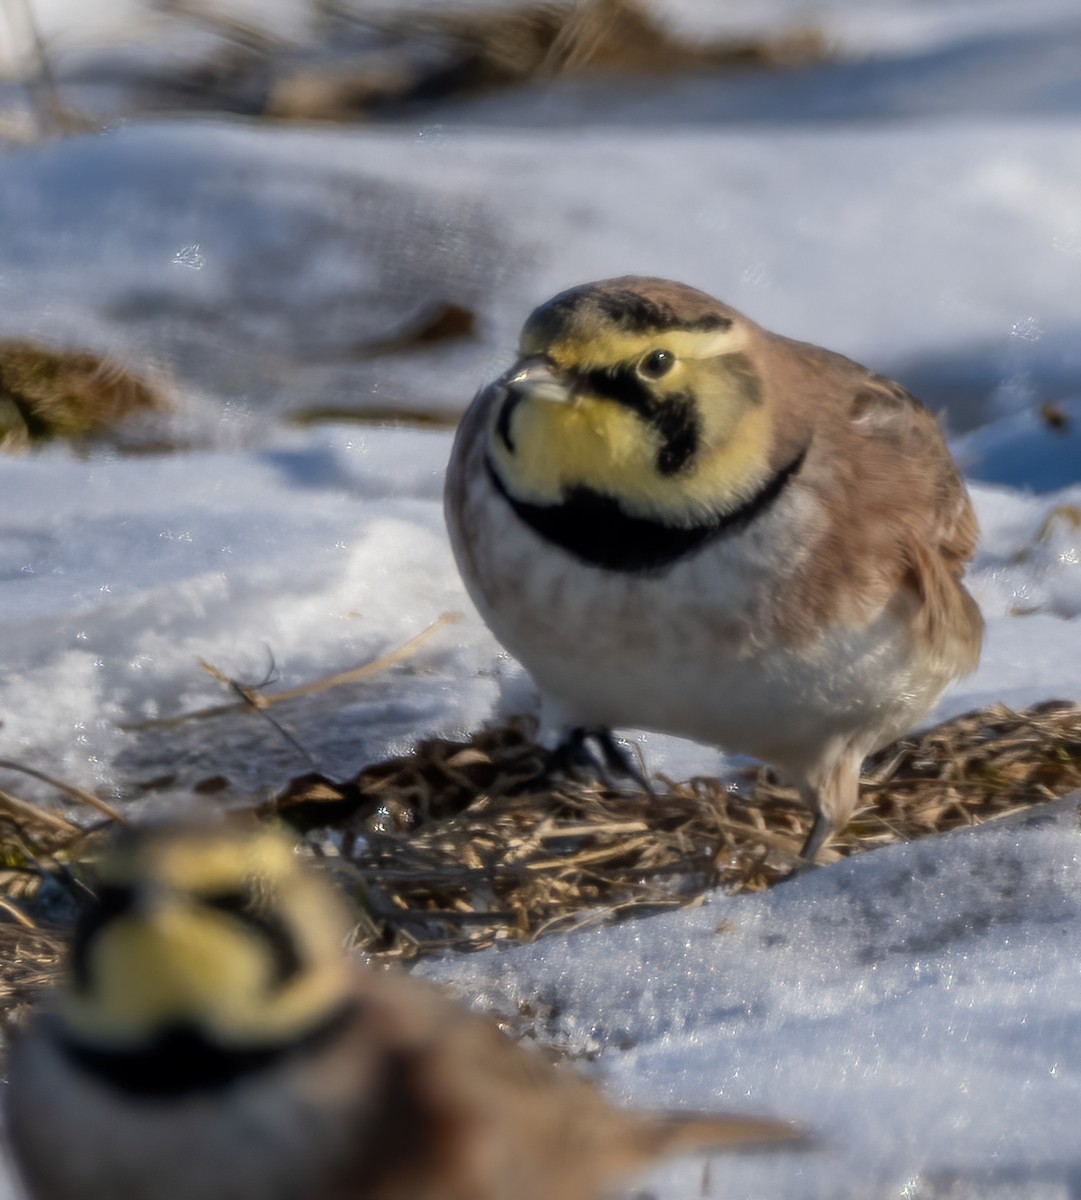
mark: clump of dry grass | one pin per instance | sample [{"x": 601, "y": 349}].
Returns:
[
  {"x": 464, "y": 51},
  {"x": 352, "y": 64},
  {"x": 33, "y": 842},
  {"x": 46, "y": 392},
  {"x": 463, "y": 843}
]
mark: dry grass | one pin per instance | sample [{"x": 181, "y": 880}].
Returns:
[
  {"x": 455, "y": 52},
  {"x": 461, "y": 844},
  {"x": 33, "y": 843},
  {"x": 47, "y": 392},
  {"x": 352, "y": 65}
]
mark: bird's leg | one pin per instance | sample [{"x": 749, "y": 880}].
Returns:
[
  {"x": 618, "y": 759},
  {"x": 821, "y": 831},
  {"x": 832, "y": 795},
  {"x": 575, "y": 756},
  {"x": 572, "y": 756}
]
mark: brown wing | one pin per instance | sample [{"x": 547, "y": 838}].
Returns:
[
  {"x": 893, "y": 525},
  {"x": 936, "y": 525}
]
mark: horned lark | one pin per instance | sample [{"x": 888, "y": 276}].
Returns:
[
  {"x": 215, "y": 1042},
  {"x": 680, "y": 522}
]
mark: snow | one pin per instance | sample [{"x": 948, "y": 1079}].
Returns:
[
  {"x": 918, "y": 1007},
  {"x": 918, "y": 208}
]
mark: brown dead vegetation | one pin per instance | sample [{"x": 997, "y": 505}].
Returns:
[
  {"x": 47, "y": 392},
  {"x": 437, "y": 56},
  {"x": 463, "y": 843}
]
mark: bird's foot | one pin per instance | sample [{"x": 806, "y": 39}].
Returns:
[{"x": 575, "y": 756}]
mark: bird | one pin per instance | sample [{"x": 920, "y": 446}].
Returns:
[
  {"x": 678, "y": 521},
  {"x": 215, "y": 1040}
]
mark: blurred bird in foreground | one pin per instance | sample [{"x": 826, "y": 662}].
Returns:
[
  {"x": 215, "y": 1042},
  {"x": 678, "y": 521}
]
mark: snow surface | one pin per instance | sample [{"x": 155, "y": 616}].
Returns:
[
  {"x": 918, "y": 1007},
  {"x": 918, "y": 208}
]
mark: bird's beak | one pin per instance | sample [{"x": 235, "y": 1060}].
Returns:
[{"x": 538, "y": 379}]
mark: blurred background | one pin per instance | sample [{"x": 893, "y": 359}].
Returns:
[
  {"x": 257, "y": 257},
  {"x": 305, "y": 207}
]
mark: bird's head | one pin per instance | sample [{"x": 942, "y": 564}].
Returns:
[
  {"x": 220, "y": 934},
  {"x": 642, "y": 390}
]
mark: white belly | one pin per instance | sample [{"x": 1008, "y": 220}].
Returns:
[
  {"x": 78, "y": 1137},
  {"x": 686, "y": 652}
]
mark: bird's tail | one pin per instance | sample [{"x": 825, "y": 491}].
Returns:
[{"x": 658, "y": 1135}]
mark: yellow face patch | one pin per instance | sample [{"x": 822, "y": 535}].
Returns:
[
  {"x": 174, "y": 958},
  {"x": 595, "y": 441},
  {"x": 581, "y": 441}
]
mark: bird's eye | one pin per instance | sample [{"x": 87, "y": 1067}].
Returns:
[{"x": 656, "y": 363}]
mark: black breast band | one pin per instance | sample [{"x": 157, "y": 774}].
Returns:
[
  {"x": 596, "y": 529},
  {"x": 182, "y": 1059}
]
